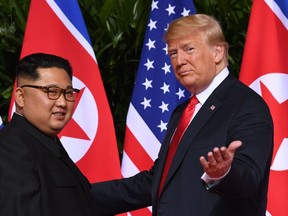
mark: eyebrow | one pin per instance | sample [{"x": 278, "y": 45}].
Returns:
[
  {"x": 54, "y": 85},
  {"x": 188, "y": 43}
]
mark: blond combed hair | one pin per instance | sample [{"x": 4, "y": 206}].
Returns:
[{"x": 208, "y": 26}]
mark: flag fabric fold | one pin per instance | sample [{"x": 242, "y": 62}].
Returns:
[
  {"x": 57, "y": 27},
  {"x": 156, "y": 92},
  {"x": 1, "y": 123},
  {"x": 265, "y": 69}
]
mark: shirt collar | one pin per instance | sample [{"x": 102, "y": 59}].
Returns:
[{"x": 203, "y": 96}]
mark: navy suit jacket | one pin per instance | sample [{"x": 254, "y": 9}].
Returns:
[
  {"x": 36, "y": 177},
  {"x": 232, "y": 112}
]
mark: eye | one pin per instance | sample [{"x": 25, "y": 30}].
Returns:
[
  {"x": 172, "y": 54},
  {"x": 53, "y": 91},
  {"x": 189, "y": 49},
  {"x": 69, "y": 92}
]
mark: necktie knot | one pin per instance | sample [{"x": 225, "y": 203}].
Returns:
[{"x": 193, "y": 101}]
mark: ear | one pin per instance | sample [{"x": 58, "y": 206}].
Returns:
[
  {"x": 19, "y": 97},
  {"x": 219, "y": 53}
]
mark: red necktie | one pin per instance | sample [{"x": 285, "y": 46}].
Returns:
[{"x": 182, "y": 125}]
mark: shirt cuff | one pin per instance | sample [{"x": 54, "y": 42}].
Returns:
[{"x": 209, "y": 182}]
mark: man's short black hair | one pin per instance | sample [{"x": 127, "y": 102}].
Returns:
[{"x": 27, "y": 66}]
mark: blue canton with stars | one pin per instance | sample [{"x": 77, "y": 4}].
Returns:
[{"x": 157, "y": 92}]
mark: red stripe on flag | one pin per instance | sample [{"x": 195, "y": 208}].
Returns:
[
  {"x": 136, "y": 152},
  {"x": 141, "y": 212}
]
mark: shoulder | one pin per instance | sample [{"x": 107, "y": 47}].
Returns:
[
  {"x": 14, "y": 140},
  {"x": 245, "y": 93}
]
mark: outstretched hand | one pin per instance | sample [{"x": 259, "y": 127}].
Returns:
[{"x": 219, "y": 161}]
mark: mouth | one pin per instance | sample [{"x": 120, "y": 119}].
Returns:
[
  {"x": 59, "y": 114},
  {"x": 183, "y": 73}
]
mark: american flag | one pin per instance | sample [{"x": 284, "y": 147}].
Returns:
[{"x": 156, "y": 92}]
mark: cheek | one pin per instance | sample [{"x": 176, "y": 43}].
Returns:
[
  {"x": 34, "y": 102},
  {"x": 173, "y": 63},
  {"x": 71, "y": 108},
  {"x": 45, "y": 103}
]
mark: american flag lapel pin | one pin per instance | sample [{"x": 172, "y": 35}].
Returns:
[{"x": 212, "y": 107}]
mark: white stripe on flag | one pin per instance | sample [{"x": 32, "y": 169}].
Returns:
[
  {"x": 276, "y": 9},
  {"x": 1, "y": 123},
  {"x": 128, "y": 168},
  {"x": 72, "y": 28},
  {"x": 142, "y": 132}
]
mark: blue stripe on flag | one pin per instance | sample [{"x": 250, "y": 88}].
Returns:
[
  {"x": 283, "y": 6},
  {"x": 73, "y": 13}
]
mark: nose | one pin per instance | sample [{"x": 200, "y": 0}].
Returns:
[
  {"x": 61, "y": 101},
  {"x": 180, "y": 59}
]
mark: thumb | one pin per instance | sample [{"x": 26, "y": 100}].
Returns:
[{"x": 234, "y": 146}]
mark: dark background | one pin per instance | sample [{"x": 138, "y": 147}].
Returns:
[{"x": 116, "y": 29}]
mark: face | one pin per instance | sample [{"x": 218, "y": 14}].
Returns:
[
  {"x": 194, "y": 61},
  {"x": 50, "y": 116}
]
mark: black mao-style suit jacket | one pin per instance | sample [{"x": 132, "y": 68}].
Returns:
[
  {"x": 36, "y": 178},
  {"x": 232, "y": 112}
]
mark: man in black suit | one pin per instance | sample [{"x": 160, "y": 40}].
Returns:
[
  {"x": 222, "y": 162},
  {"x": 37, "y": 178}
]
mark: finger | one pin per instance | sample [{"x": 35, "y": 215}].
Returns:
[
  {"x": 225, "y": 154},
  {"x": 217, "y": 155},
  {"x": 204, "y": 163},
  {"x": 211, "y": 159}
]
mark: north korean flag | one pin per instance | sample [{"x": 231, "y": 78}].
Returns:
[
  {"x": 57, "y": 27},
  {"x": 265, "y": 69}
]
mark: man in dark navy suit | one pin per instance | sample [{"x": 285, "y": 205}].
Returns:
[{"x": 222, "y": 162}]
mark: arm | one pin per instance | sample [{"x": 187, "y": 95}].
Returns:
[
  {"x": 123, "y": 195},
  {"x": 218, "y": 164},
  {"x": 250, "y": 164}
]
